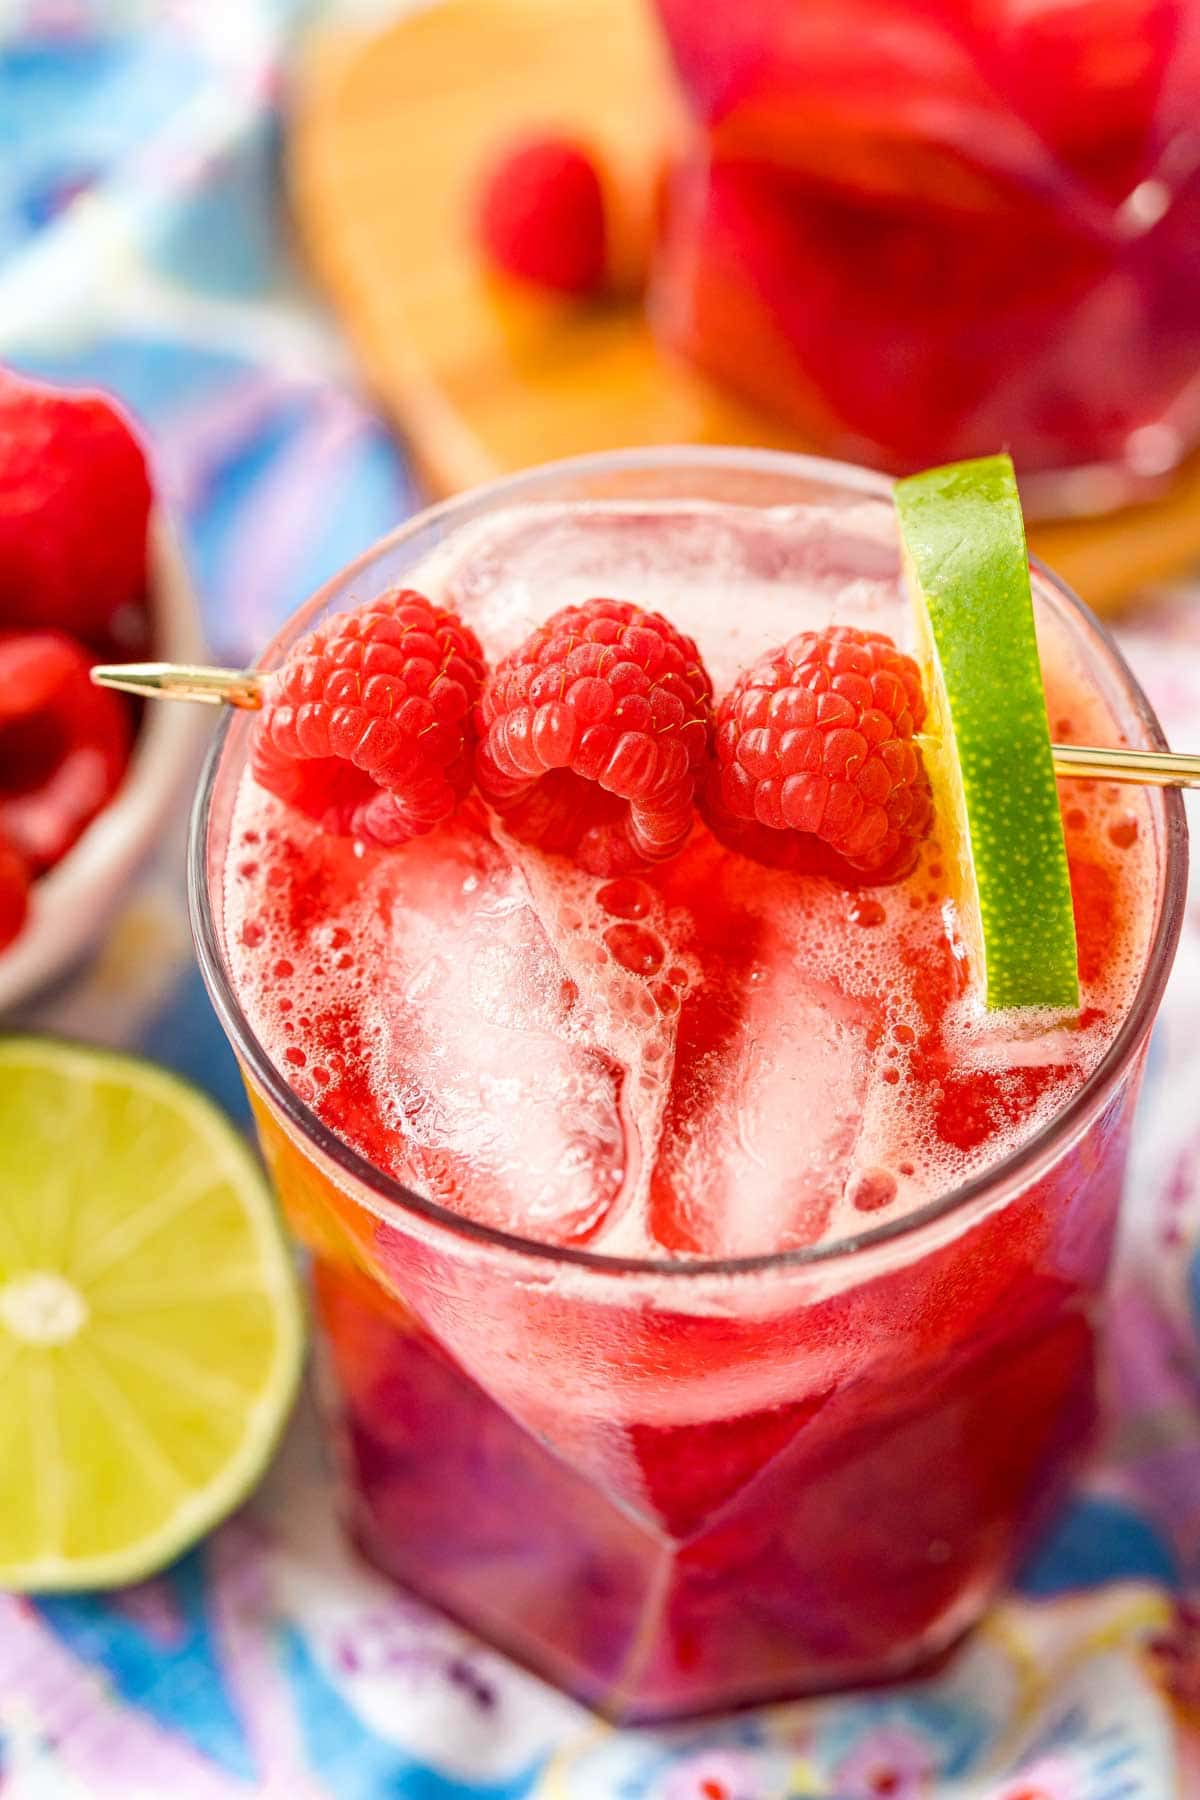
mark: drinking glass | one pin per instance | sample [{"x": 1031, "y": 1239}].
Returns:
[{"x": 678, "y": 1485}]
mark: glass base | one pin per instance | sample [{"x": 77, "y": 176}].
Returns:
[
  {"x": 766, "y": 1561},
  {"x": 623, "y": 1703}
]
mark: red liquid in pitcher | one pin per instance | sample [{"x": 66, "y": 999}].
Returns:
[
  {"x": 919, "y": 232},
  {"x": 672, "y": 1491}
]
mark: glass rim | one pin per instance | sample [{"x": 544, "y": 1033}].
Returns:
[{"x": 384, "y": 1188}]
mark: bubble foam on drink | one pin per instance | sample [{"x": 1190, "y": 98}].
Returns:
[{"x": 713, "y": 1059}]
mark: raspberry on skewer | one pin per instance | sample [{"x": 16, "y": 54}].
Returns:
[
  {"x": 593, "y": 736},
  {"x": 368, "y": 726},
  {"x": 816, "y": 767}
]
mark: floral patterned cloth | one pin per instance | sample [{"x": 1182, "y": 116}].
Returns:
[{"x": 140, "y": 248}]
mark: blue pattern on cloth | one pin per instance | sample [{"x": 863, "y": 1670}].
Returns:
[{"x": 140, "y": 249}]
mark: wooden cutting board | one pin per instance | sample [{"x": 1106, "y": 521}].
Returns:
[{"x": 389, "y": 130}]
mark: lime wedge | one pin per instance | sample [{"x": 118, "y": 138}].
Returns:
[
  {"x": 988, "y": 746},
  {"x": 151, "y": 1331}
]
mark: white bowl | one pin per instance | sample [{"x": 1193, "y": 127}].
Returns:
[{"x": 71, "y": 905}]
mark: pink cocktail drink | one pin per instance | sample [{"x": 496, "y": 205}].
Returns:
[
  {"x": 921, "y": 232},
  {"x": 710, "y": 1289}
]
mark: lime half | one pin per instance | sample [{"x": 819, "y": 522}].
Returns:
[
  {"x": 151, "y": 1331},
  {"x": 988, "y": 745}
]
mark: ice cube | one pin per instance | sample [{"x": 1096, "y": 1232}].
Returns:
[
  {"x": 508, "y": 1114},
  {"x": 764, "y": 1114}
]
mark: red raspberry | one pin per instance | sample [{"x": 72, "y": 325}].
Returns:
[
  {"x": 64, "y": 744},
  {"x": 593, "y": 735},
  {"x": 14, "y": 891},
  {"x": 816, "y": 767},
  {"x": 541, "y": 216},
  {"x": 368, "y": 726},
  {"x": 74, "y": 507}
]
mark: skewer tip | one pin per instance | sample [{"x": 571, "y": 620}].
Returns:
[{"x": 177, "y": 681}]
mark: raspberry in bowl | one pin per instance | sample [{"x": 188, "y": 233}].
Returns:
[
  {"x": 710, "y": 1285},
  {"x": 88, "y": 567}
]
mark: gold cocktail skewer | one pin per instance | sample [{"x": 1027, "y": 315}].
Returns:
[
  {"x": 244, "y": 688},
  {"x": 1148, "y": 768},
  {"x": 183, "y": 681}
]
